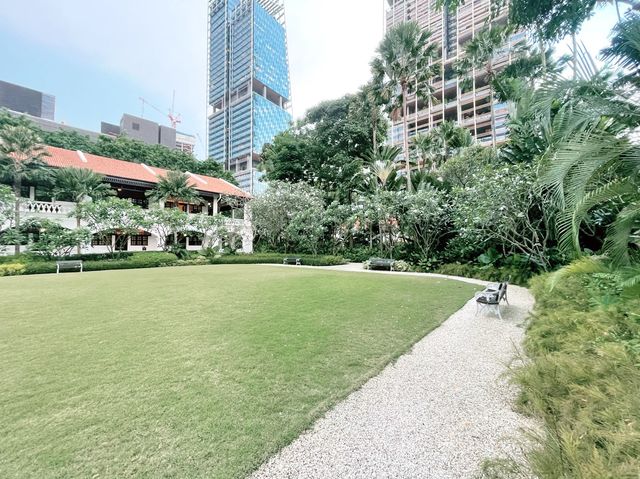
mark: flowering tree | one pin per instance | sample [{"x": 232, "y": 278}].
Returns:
[
  {"x": 51, "y": 240},
  {"x": 111, "y": 216},
  {"x": 166, "y": 223},
  {"x": 289, "y": 216},
  {"x": 7, "y": 202},
  {"x": 211, "y": 228},
  {"x": 503, "y": 208}
]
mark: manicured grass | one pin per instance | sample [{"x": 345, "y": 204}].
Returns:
[{"x": 194, "y": 371}]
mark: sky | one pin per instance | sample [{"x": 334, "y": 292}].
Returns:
[{"x": 98, "y": 61}]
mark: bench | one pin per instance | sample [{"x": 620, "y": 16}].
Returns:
[
  {"x": 69, "y": 266},
  {"x": 491, "y": 297},
  {"x": 292, "y": 260},
  {"x": 381, "y": 263}
]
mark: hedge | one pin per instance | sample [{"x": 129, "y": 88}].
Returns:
[
  {"x": 131, "y": 261},
  {"x": 275, "y": 258}
]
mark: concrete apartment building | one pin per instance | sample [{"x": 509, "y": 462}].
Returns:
[
  {"x": 150, "y": 133},
  {"x": 472, "y": 108},
  {"x": 249, "y": 87},
  {"x": 25, "y": 100}
]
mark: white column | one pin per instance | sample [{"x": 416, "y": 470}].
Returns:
[{"x": 247, "y": 231}]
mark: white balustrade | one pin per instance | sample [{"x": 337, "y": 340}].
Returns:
[{"x": 47, "y": 208}]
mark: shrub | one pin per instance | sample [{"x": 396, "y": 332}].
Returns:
[
  {"x": 583, "y": 381},
  {"x": 401, "y": 266},
  {"x": 12, "y": 269},
  {"x": 137, "y": 261},
  {"x": 511, "y": 274},
  {"x": 275, "y": 258},
  {"x": 40, "y": 267}
]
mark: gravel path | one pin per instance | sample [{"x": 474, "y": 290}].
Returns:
[{"x": 438, "y": 412}]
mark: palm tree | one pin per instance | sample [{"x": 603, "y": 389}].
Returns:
[
  {"x": 427, "y": 146},
  {"x": 593, "y": 160},
  {"x": 403, "y": 65},
  {"x": 175, "y": 187},
  {"x": 78, "y": 185},
  {"x": 625, "y": 49},
  {"x": 21, "y": 159},
  {"x": 479, "y": 53}
]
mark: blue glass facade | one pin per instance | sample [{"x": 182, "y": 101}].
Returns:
[{"x": 249, "y": 86}]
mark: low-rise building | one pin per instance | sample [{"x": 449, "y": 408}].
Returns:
[{"x": 132, "y": 181}]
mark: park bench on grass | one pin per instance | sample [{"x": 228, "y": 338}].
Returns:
[
  {"x": 381, "y": 263},
  {"x": 72, "y": 265},
  {"x": 491, "y": 297},
  {"x": 292, "y": 260}
]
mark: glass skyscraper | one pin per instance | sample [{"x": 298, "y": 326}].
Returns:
[{"x": 249, "y": 87}]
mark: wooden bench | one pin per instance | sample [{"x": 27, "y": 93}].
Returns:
[
  {"x": 292, "y": 260},
  {"x": 381, "y": 263},
  {"x": 72, "y": 265}
]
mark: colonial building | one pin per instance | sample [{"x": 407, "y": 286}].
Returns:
[{"x": 132, "y": 181}]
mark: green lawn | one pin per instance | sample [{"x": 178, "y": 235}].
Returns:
[{"x": 194, "y": 371}]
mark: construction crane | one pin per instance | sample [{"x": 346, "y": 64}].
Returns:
[{"x": 174, "y": 119}]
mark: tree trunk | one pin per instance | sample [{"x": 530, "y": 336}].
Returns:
[
  {"x": 17, "y": 187},
  {"x": 575, "y": 55},
  {"x": 491, "y": 99},
  {"x": 405, "y": 124},
  {"x": 543, "y": 55},
  {"x": 618, "y": 10},
  {"x": 78, "y": 225},
  {"x": 375, "y": 131}
]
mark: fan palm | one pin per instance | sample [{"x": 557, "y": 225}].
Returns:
[
  {"x": 428, "y": 147},
  {"x": 403, "y": 67},
  {"x": 77, "y": 185},
  {"x": 21, "y": 159}
]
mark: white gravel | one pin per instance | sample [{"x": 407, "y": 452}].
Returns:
[{"x": 437, "y": 412}]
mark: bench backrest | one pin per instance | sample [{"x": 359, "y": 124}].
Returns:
[{"x": 71, "y": 264}]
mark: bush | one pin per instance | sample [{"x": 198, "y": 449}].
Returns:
[
  {"x": 40, "y": 267},
  {"x": 401, "y": 266},
  {"x": 511, "y": 274},
  {"x": 583, "y": 381},
  {"x": 137, "y": 261},
  {"x": 275, "y": 258},
  {"x": 12, "y": 269}
]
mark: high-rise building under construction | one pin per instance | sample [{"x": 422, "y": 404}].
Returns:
[
  {"x": 249, "y": 87},
  {"x": 471, "y": 107}
]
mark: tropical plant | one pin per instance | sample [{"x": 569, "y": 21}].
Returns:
[
  {"x": 380, "y": 170},
  {"x": 21, "y": 159},
  {"x": 403, "y": 66},
  {"x": 289, "y": 216},
  {"x": 625, "y": 49},
  {"x": 79, "y": 185},
  {"x": 7, "y": 206},
  {"x": 51, "y": 240},
  {"x": 174, "y": 187},
  {"x": 479, "y": 53},
  {"x": 167, "y": 223},
  {"x": 112, "y": 216}
]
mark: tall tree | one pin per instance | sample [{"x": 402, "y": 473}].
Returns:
[
  {"x": 21, "y": 159},
  {"x": 175, "y": 187},
  {"x": 79, "y": 185},
  {"x": 403, "y": 64},
  {"x": 479, "y": 53}
]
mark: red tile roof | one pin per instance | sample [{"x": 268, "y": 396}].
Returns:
[{"x": 61, "y": 158}]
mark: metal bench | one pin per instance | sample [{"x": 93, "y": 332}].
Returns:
[
  {"x": 292, "y": 260},
  {"x": 72, "y": 265},
  {"x": 381, "y": 263},
  {"x": 491, "y": 297}
]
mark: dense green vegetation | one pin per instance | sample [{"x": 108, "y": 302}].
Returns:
[
  {"x": 192, "y": 372},
  {"x": 584, "y": 378},
  {"x": 123, "y": 148}
]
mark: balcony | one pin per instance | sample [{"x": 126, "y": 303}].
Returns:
[{"x": 47, "y": 209}]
